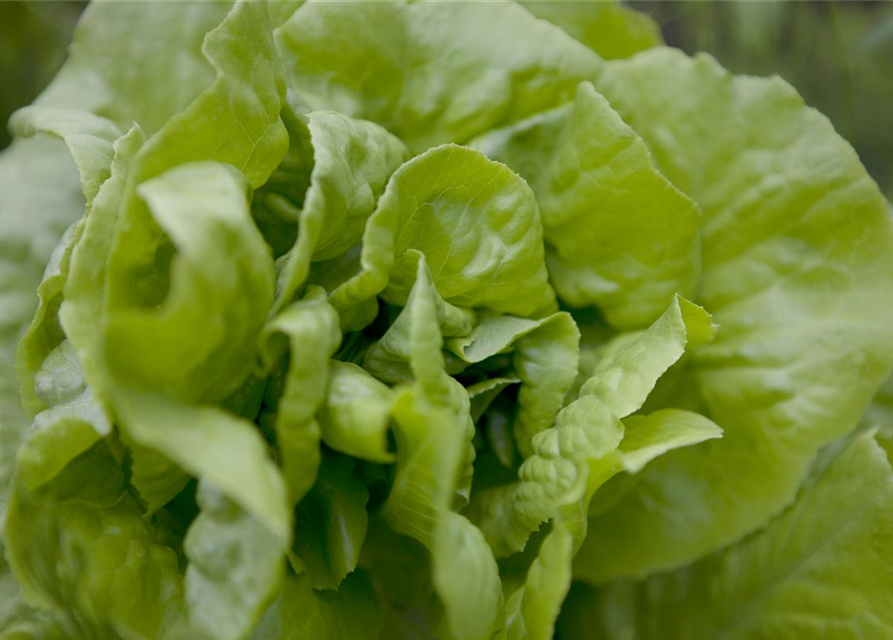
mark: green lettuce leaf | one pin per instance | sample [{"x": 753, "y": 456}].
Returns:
[
  {"x": 786, "y": 206},
  {"x": 820, "y": 570},
  {"x": 81, "y": 550},
  {"x": 430, "y": 72},
  {"x": 607, "y": 27},
  {"x": 356, "y": 415},
  {"x": 629, "y": 368},
  {"x": 122, "y": 60},
  {"x": 584, "y": 449},
  {"x": 351, "y": 612},
  {"x": 82, "y": 293},
  {"x": 330, "y": 524},
  {"x": 89, "y": 138},
  {"x": 619, "y": 235},
  {"x": 308, "y": 331},
  {"x": 91, "y": 141},
  {"x": 213, "y": 445},
  {"x": 217, "y": 244},
  {"x": 32, "y": 219},
  {"x": 491, "y": 259},
  {"x": 235, "y": 567},
  {"x": 532, "y": 609},
  {"x": 545, "y": 360},
  {"x": 430, "y": 440},
  {"x": 298, "y": 369},
  {"x": 352, "y": 161}
]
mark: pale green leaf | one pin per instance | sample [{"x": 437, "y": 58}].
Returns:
[
  {"x": 821, "y": 570},
  {"x": 356, "y": 414},
  {"x": 477, "y": 225},
  {"x": 308, "y": 331},
  {"x": 619, "y": 235},
  {"x": 430, "y": 72},
  {"x": 798, "y": 273},
  {"x": 235, "y": 567}
]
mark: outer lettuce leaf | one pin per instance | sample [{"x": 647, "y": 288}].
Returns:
[
  {"x": 132, "y": 65},
  {"x": 352, "y": 161},
  {"x": 309, "y": 331},
  {"x": 430, "y": 72},
  {"x": 45, "y": 334},
  {"x": 82, "y": 294},
  {"x": 356, "y": 414},
  {"x": 607, "y": 27},
  {"x": 820, "y": 570},
  {"x": 71, "y": 411},
  {"x": 90, "y": 140},
  {"x": 798, "y": 271},
  {"x": 330, "y": 524},
  {"x": 80, "y": 548},
  {"x": 235, "y": 567},
  {"x": 621, "y": 237},
  {"x": 430, "y": 441},
  {"x": 244, "y": 102},
  {"x": 32, "y": 219},
  {"x": 475, "y": 221}
]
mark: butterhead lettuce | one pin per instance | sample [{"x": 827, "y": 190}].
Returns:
[{"x": 458, "y": 320}]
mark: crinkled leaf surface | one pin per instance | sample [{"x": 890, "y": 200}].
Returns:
[
  {"x": 189, "y": 473},
  {"x": 352, "y": 161},
  {"x": 477, "y": 224},
  {"x": 620, "y": 236},
  {"x": 798, "y": 273}
]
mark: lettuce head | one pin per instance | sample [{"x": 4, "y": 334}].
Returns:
[{"x": 458, "y": 320}]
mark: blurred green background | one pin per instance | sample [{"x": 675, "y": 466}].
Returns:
[{"x": 839, "y": 55}]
